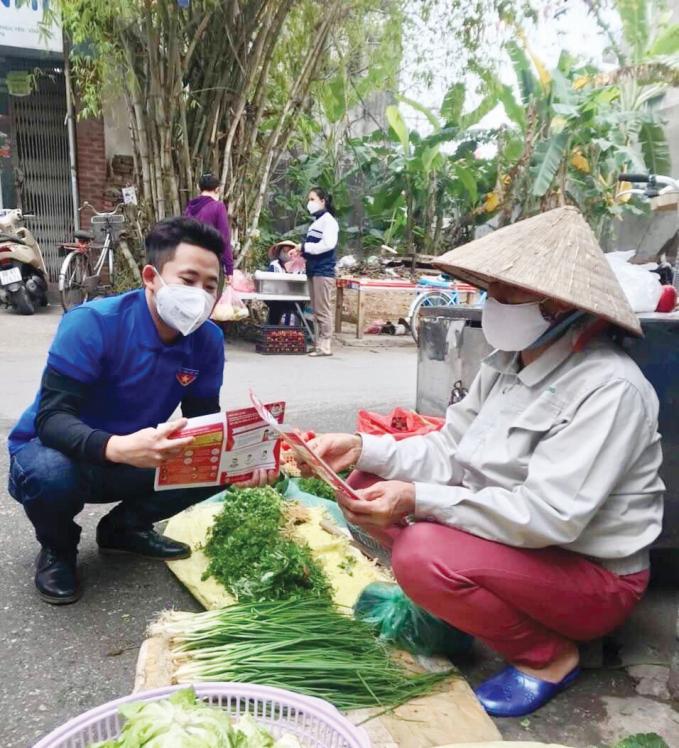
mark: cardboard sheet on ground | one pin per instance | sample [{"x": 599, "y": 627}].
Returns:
[
  {"x": 348, "y": 579},
  {"x": 450, "y": 716}
]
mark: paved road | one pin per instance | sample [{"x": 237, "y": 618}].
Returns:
[{"x": 57, "y": 662}]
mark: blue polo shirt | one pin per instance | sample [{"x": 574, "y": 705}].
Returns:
[{"x": 136, "y": 380}]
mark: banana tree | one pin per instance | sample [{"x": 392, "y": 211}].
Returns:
[
  {"x": 429, "y": 186},
  {"x": 572, "y": 132},
  {"x": 648, "y": 65}
]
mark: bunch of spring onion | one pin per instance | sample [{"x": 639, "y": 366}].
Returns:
[{"x": 302, "y": 645}]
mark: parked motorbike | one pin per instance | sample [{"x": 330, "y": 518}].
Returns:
[{"x": 23, "y": 274}]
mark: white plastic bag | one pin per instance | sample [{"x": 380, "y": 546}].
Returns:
[
  {"x": 641, "y": 287},
  {"x": 230, "y": 307}
]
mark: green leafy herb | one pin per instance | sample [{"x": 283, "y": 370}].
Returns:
[
  {"x": 348, "y": 565},
  {"x": 303, "y": 645},
  {"x": 252, "y": 554},
  {"x": 317, "y": 487},
  {"x": 643, "y": 740}
]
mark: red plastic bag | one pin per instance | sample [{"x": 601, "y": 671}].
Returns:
[
  {"x": 242, "y": 282},
  {"x": 400, "y": 423}
]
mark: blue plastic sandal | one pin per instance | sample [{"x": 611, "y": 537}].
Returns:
[{"x": 512, "y": 693}]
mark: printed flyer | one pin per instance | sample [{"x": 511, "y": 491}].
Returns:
[
  {"x": 226, "y": 448},
  {"x": 296, "y": 442}
]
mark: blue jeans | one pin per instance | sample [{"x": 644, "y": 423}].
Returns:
[{"x": 54, "y": 488}]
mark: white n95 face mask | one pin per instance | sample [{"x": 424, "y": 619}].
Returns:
[
  {"x": 313, "y": 207},
  {"x": 512, "y": 327},
  {"x": 184, "y": 308}
]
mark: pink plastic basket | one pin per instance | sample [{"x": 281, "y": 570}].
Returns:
[{"x": 315, "y": 723}]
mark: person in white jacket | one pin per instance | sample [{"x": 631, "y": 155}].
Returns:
[
  {"x": 526, "y": 520},
  {"x": 319, "y": 249}
]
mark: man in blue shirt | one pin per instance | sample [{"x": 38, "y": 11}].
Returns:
[{"x": 116, "y": 369}]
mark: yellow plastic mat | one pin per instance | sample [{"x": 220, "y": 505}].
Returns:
[{"x": 348, "y": 570}]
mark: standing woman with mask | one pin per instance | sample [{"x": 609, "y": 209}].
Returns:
[{"x": 319, "y": 249}]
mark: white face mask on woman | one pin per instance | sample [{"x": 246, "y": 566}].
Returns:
[
  {"x": 183, "y": 308},
  {"x": 313, "y": 206},
  {"x": 513, "y": 327}
]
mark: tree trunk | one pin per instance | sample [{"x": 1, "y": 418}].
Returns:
[
  {"x": 272, "y": 143},
  {"x": 218, "y": 85}
]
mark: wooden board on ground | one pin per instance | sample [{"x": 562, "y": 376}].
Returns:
[{"x": 450, "y": 716}]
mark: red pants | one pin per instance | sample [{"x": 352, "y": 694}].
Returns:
[{"x": 526, "y": 604}]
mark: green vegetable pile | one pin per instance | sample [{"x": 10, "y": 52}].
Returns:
[
  {"x": 317, "y": 487},
  {"x": 643, "y": 740},
  {"x": 252, "y": 554},
  {"x": 302, "y": 645},
  {"x": 182, "y": 721}
]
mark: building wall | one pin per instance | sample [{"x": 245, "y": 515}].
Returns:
[
  {"x": 116, "y": 128},
  {"x": 91, "y": 156}
]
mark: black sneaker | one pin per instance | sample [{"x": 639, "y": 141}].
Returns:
[
  {"x": 56, "y": 577},
  {"x": 146, "y": 543}
]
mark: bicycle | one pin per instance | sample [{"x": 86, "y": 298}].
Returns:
[
  {"x": 78, "y": 279},
  {"x": 437, "y": 293}
]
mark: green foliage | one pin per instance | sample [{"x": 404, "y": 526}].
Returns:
[
  {"x": 574, "y": 130},
  {"x": 425, "y": 190},
  {"x": 643, "y": 740},
  {"x": 317, "y": 487},
  {"x": 635, "y": 24},
  {"x": 227, "y": 86},
  {"x": 666, "y": 42},
  {"x": 654, "y": 147},
  {"x": 252, "y": 555},
  {"x": 549, "y": 156},
  {"x": 399, "y": 127},
  {"x": 571, "y": 131}
]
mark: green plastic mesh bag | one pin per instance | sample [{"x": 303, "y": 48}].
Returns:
[{"x": 399, "y": 621}]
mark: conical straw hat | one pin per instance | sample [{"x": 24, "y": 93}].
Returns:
[{"x": 554, "y": 254}]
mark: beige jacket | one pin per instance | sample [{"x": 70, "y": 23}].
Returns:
[{"x": 564, "y": 452}]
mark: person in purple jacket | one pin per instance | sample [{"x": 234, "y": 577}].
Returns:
[{"x": 209, "y": 208}]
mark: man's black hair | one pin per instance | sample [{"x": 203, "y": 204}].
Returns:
[
  {"x": 208, "y": 183},
  {"x": 164, "y": 238}
]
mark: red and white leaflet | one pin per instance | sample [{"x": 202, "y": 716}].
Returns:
[
  {"x": 294, "y": 439},
  {"x": 251, "y": 443},
  {"x": 198, "y": 464},
  {"x": 226, "y": 448}
]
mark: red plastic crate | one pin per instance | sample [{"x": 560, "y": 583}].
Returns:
[{"x": 281, "y": 340}]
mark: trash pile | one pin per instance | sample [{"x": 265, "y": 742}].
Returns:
[{"x": 387, "y": 265}]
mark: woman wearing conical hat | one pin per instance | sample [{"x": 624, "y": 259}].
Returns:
[{"x": 526, "y": 520}]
